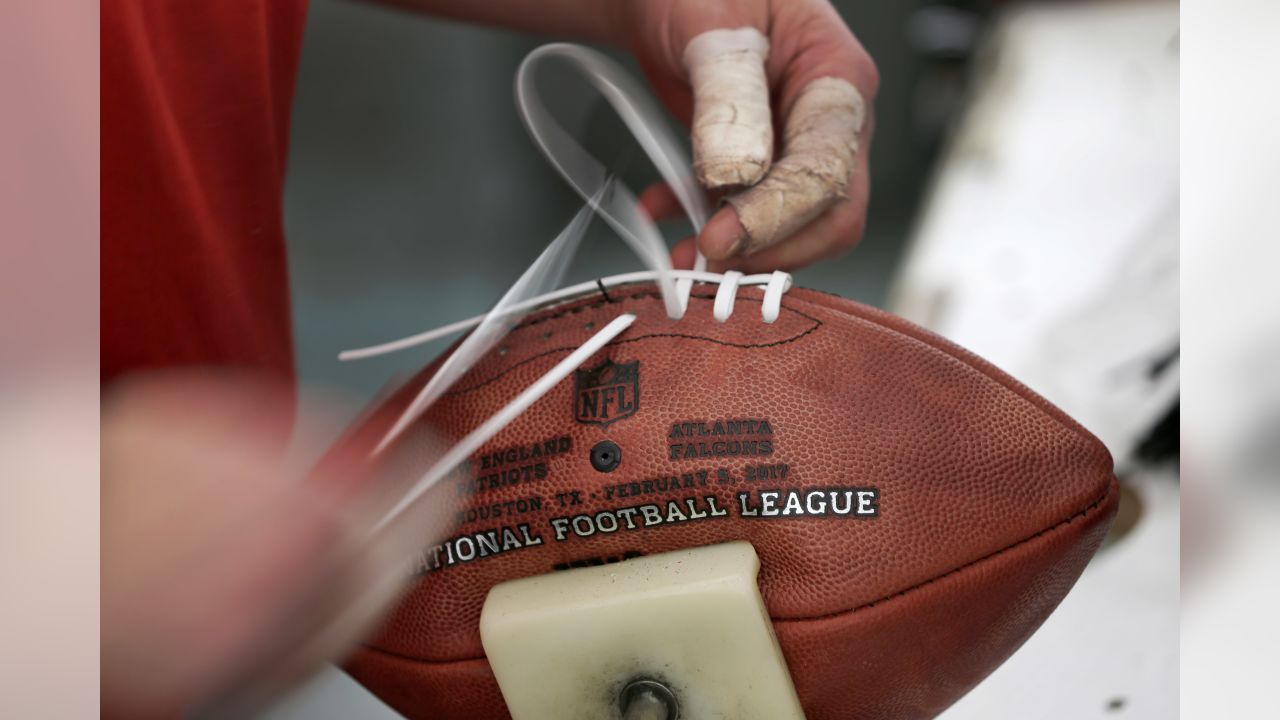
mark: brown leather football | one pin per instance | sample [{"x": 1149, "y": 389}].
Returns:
[{"x": 917, "y": 512}]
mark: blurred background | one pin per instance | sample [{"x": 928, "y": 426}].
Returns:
[{"x": 1025, "y": 200}]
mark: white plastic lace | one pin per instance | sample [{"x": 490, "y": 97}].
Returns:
[
  {"x": 614, "y": 203},
  {"x": 721, "y": 315}
]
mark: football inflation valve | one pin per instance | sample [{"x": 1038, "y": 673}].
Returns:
[{"x": 679, "y": 635}]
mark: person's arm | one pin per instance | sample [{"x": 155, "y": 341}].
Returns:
[{"x": 728, "y": 69}]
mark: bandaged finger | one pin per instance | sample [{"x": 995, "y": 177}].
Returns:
[
  {"x": 732, "y": 121},
  {"x": 819, "y": 154}
]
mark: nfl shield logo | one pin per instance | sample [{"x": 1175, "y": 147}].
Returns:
[{"x": 607, "y": 393}]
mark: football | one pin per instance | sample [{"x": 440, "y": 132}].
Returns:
[{"x": 917, "y": 513}]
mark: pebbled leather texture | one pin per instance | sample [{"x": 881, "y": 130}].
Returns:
[{"x": 989, "y": 500}]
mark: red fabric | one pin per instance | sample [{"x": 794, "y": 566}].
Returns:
[{"x": 195, "y": 119}]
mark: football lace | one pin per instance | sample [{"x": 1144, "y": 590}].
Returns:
[{"x": 537, "y": 287}]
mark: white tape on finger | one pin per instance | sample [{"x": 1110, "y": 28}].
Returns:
[
  {"x": 819, "y": 155},
  {"x": 732, "y": 119}
]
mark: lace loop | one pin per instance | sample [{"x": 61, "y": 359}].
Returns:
[
  {"x": 779, "y": 283},
  {"x": 585, "y": 174},
  {"x": 725, "y": 296}
]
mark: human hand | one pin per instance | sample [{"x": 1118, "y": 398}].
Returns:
[
  {"x": 763, "y": 61},
  {"x": 229, "y": 573}
]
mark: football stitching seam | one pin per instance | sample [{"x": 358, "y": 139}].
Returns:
[
  {"x": 575, "y": 309},
  {"x": 1112, "y": 487},
  {"x": 816, "y": 324}
]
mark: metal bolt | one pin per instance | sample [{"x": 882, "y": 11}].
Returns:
[{"x": 648, "y": 700}]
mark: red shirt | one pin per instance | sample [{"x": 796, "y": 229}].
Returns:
[{"x": 195, "y": 120}]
